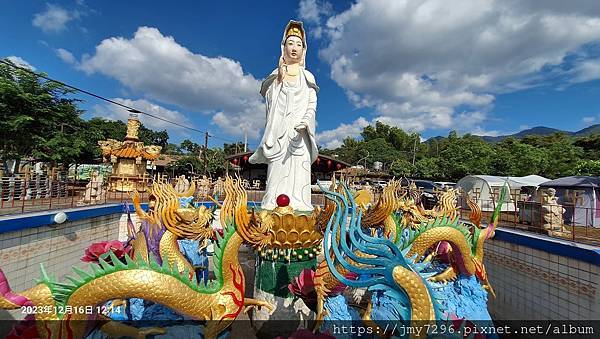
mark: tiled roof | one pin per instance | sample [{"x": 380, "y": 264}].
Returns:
[{"x": 129, "y": 151}]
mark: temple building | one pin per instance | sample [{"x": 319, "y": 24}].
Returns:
[
  {"x": 322, "y": 169},
  {"x": 129, "y": 159}
]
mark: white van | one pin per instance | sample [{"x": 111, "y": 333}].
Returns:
[{"x": 325, "y": 183}]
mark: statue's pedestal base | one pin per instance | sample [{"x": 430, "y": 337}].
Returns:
[
  {"x": 556, "y": 230},
  {"x": 559, "y": 232},
  {"x": 271, "y": 285}
]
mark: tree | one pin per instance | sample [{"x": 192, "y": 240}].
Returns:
[
  {"x": 380, "y": 130},
  {"x": 379, "y": 150},
  {"x": 590, "y": 146},
  {"x": 215, "y": 164},
  {"x": 34, "y": 114},
  {"x": 402, "y": 168},
  {"x": 465, "y": 155},
  {"x": 560, "y": 151},
  {"x": 350, "y": 151},
  {"x": 428, "y": 168},
  {"x": 182, "y": 165},
  {"x": 172, "y": 149},
  {"x": 455, "y": 156},
  {"x": 235, "y": 148},
  {"x": 190, "y": 147},
  {"x": 562, "y": 159},
  {"x": 97, "y": 129},
  {"x": 588, "y": 167},
  {"x": 514, "y": 158},
  {"x": 151, "y": 137},
  {"x": 38, "y": 120},
  {"x": 395, "y": 136}
]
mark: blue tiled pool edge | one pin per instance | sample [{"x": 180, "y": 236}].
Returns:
[
  {"x": 10, "y": 223},
  {"x": 560, "y": 247},
  {"x": 587, "y": 253}
]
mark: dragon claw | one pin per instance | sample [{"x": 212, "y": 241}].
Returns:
[
  {"x": 319, "y": 320},
  {"x": 252, "y": 303}
]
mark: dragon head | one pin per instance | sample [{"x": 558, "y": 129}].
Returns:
[{"x": 164, "y": 210}]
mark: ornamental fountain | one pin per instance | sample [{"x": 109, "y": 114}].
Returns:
[{"x": 414, "y": 266}]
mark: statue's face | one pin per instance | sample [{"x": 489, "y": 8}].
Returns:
[{"x": 293, "y": 49}]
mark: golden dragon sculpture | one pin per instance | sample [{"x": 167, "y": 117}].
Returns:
[{"x": 170, "y": 284}]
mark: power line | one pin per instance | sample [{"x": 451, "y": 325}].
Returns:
[{"x": 130, "y": 109}]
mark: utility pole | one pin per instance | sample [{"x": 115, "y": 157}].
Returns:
[
  {"x": 204, "y": 153},
  {"x": 245, "y": 141},
  {"x": 415, "y": 149}
]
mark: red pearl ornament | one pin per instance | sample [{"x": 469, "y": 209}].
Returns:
[
  {"x": 283, "y": 200},
  {"x": 318, "y": 161},
  {"x": 235, "y": 161},
  {"x": 329, "y": 163},
  {"x": 245, "y": 158},
  {"x": 338, "y": 166}
]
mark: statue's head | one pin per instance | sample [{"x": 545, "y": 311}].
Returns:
[
  {"x": 292, "y": 50},
  {"x": 293, "y": 44}
]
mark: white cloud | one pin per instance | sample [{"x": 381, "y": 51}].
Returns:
[
  {"x": 161, "y": 69},
  {"x": 309, "y": 11},
  {"x": 435, "y": 63},
  {"x": 478, "y": 130},
  {"x": 588, "y": 120},
  {"x": 333, "y": 138},
  {"x": 313, "y": 12},
  {"x": 20, "y": 62},
  {"x": 66, "y": 56},
  {"x": 54, "y": 19},
  {"x": 114, "y": 112},
  {"x": 586, "y": 70}
]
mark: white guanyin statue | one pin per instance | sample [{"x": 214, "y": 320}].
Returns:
[{"x": 288, "y": 145}]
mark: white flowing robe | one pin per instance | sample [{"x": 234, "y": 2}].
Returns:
[{"x": 288, "y": 153}]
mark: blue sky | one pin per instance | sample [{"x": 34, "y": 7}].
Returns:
[{"x": 487, "y": 67}]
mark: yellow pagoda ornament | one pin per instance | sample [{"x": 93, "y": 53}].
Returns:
[{"x": 129, "y": 159}]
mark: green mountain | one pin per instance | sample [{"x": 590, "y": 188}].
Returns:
[
  {"x": 594, "y": 129},
  {"x": 541, "y": 131}
]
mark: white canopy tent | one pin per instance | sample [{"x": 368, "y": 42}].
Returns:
[{"x": 485, "y": 189}]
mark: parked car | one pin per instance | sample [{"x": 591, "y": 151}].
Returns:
[
  {"x": 380, "y": 184},
  {"x": 445, "y": 184},
  {"x": 428, "y": 195},
  {"x": 325, "y": 183}
]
